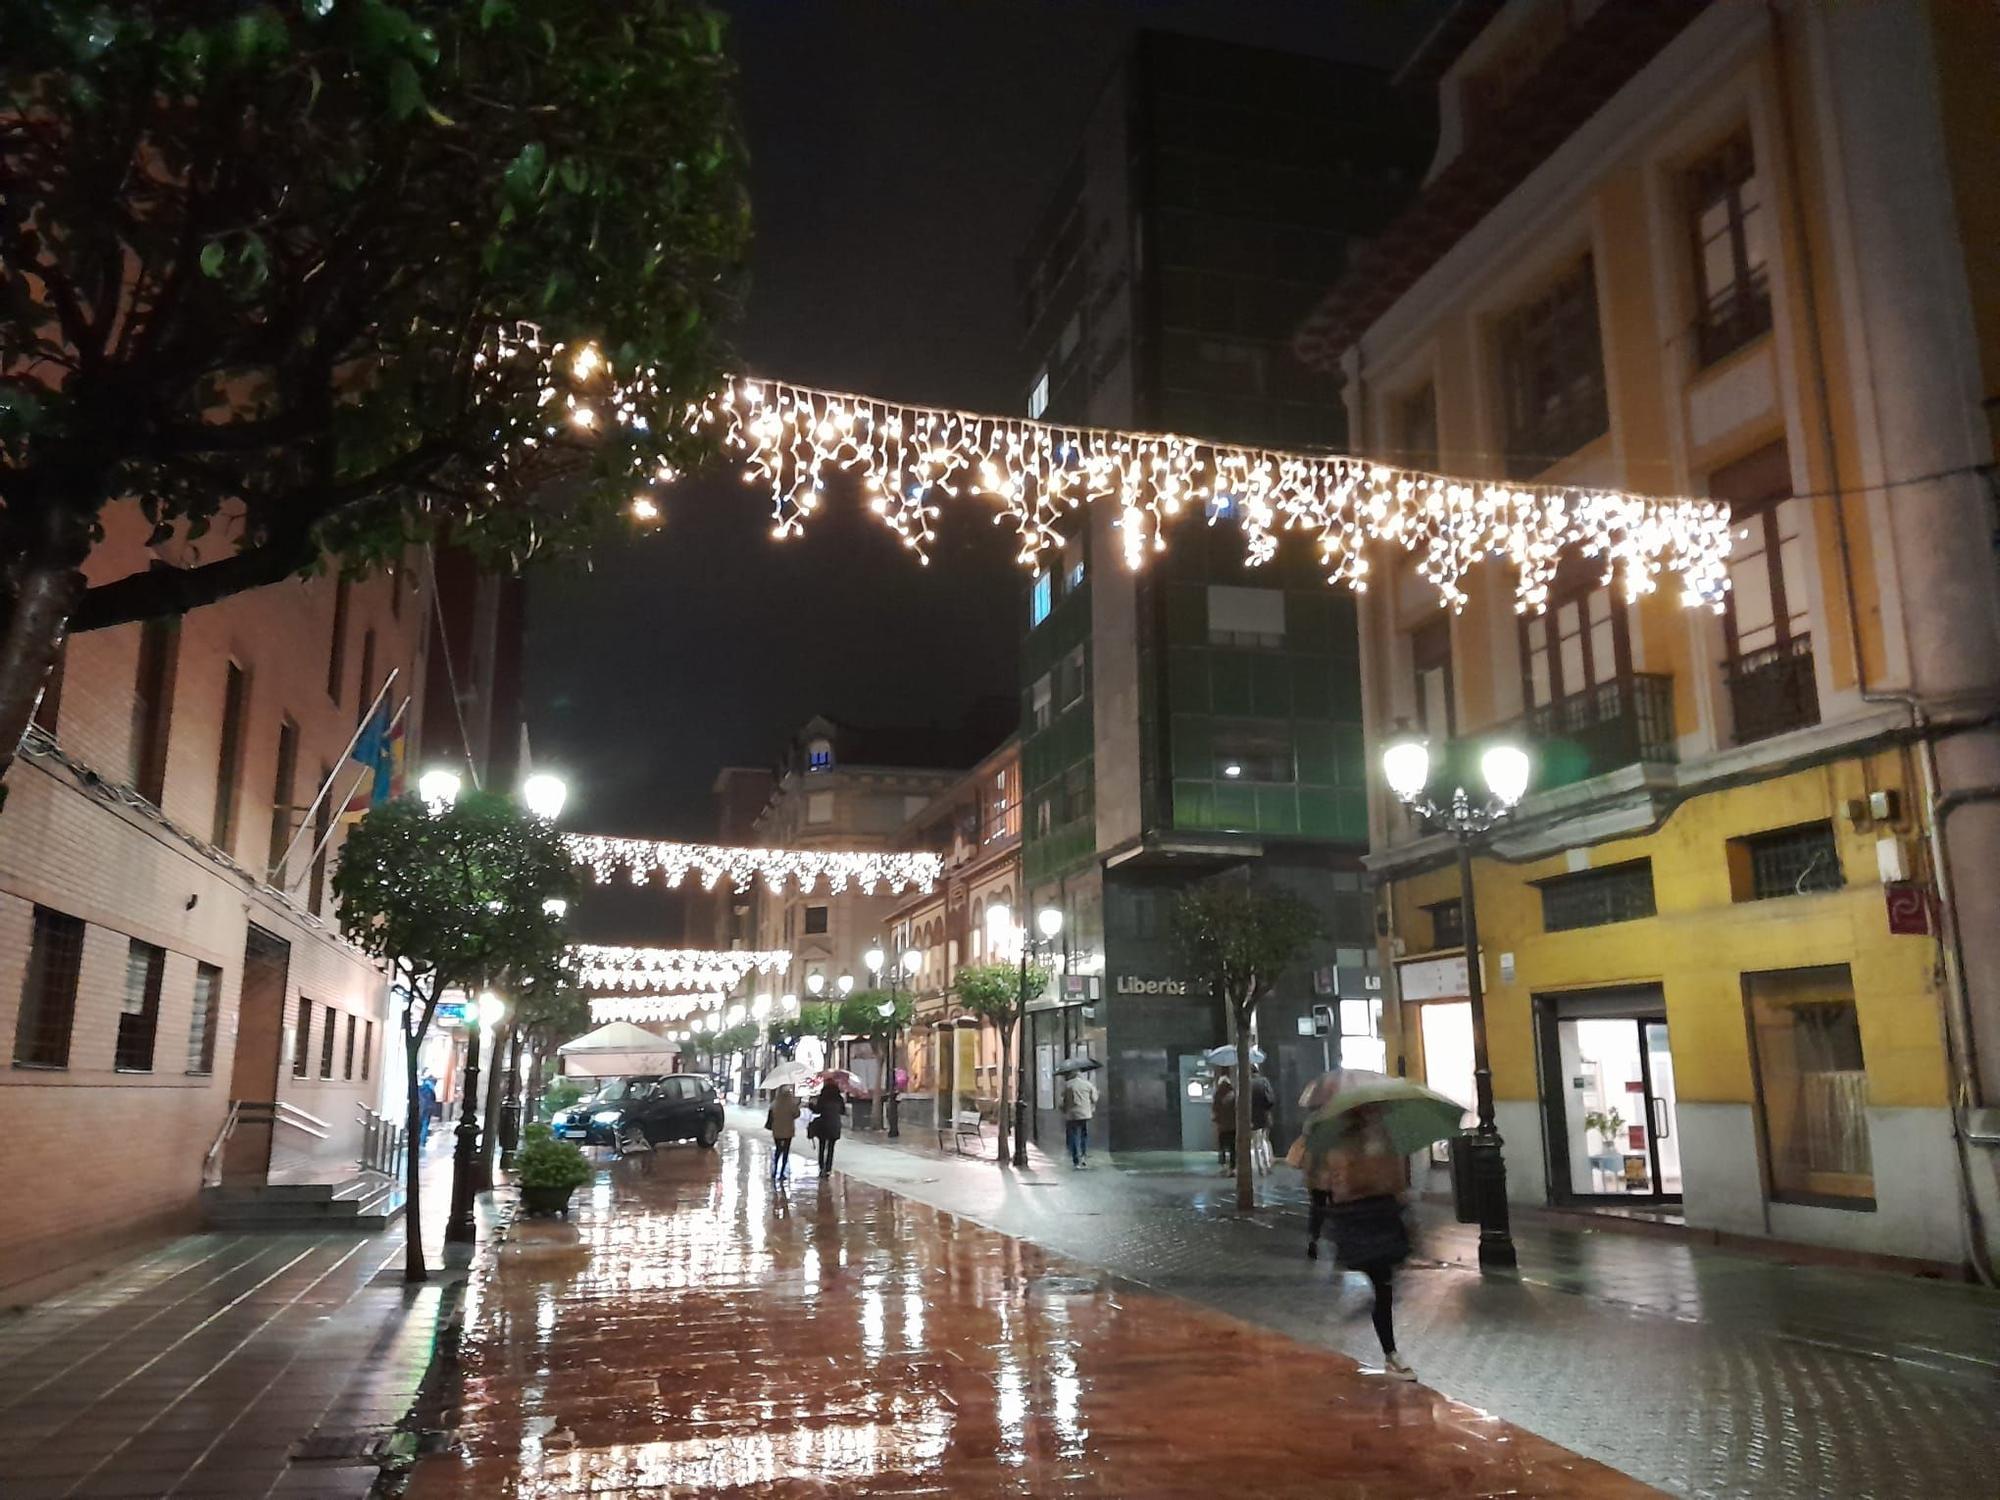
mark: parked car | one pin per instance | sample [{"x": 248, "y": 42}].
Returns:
[
  {"x": 658, "y": 1108},
  {"x": 573, "y": 1124}
]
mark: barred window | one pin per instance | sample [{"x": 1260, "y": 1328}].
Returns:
[
  {"x": 48, "y": 991},
  {"x": 1594, "y": 898},
  {"x": 139, "y": 1019},
  {"x": 1788, "y": 862},
  {"x": 1447, "y": 923}
]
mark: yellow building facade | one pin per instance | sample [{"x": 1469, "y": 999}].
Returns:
[{"x": 1741, "y": 941}]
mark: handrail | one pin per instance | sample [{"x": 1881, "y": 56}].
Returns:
[
  {"x": 209, "y": 1175},
  {"x": 286, "y": 1113}
]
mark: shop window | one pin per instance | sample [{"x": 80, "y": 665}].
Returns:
[
  {"x": 1246, "y": 617},
  {"x": 1725, "y": 208},
  {"x": 48, "y": 991},
  {"x": 302, "y": 1040},
  {"x": 1447, "y": 923},
  {"x": 1552, "y": 374},
  {"x": 1785, "y": 862},
  {"x": 207, "y": 1015},
  {"x": 815, "y": 919},
  {"x": 1252, "y": 755},
  {"x": 1597, "y": 898},
  {"x": 1812, "y": 1086},
  {"x": 139, "y": 1016},
  {"x": 1430, "y": 652}
]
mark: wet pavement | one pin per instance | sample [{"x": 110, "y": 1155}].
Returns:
[
  {"x": 1699, "y": 1370},
  {"x": 700, "y": 1333},
  {"x": 222, "y": 1366}
]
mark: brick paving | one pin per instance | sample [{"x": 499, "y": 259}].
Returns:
[
  {"x": 222, "y": 1365},
  {"x": 1701, "y": 1371},
  {"x": 699, "y": 1332}
]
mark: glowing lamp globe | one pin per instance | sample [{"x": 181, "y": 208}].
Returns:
[
  {"x": 1050, "y": 920},
  {"x": 815, "y": 983},
  {"x": 1406, "y": 766},
  {"x": 438, "y": 787},
  {"x": 874, "y": 958},
  {"x": 543, "y": 794},
  {"x": 886, "y": 1009},
  {"x": 845, "y": 983},
  {"x": 1505, "y": 768},
  {"x": 912, "y": 961}
]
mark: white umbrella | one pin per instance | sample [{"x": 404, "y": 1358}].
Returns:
[
  {"x": 1225, "y": 1057},
  {"x": 785, "y": 1073}
]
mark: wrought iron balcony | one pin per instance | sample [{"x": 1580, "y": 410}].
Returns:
[
  {"x": 1622, "y": 722},
  {"x": 1772, "y": 691}
]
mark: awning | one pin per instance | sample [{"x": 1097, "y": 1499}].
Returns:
[{"x": 617, "y": 1049}]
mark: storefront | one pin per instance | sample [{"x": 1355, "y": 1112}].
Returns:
[{"x": 1608, "y": 1097}]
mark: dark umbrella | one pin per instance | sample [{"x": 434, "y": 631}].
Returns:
[{"x": 1078, "y": 1065}]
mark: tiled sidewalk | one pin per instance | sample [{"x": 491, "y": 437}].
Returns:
[
  {"x": 1702, "y": 1371},
  {"x": 221, "y": 1365},
  {"x": 702, "y": 1333}
]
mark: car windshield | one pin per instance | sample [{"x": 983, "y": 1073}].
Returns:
[{"x": 615, "y": 1090}]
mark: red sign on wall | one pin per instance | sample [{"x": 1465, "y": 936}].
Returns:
[{"x": 1909, "y": 908}]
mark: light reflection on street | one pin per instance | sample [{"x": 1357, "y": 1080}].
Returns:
[{"x": 701, "y": 1331}]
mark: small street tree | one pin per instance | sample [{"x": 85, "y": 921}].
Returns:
[
  {"x": 298, "y": 279},
  {"x": 862, "y": 1016},
  {"x": 821, "y": 1018},
  {"x": 1241, "y": 937},
  {"x": 448, "y": 900},
  {"x": 998, "y": 993},
  {"x": 545, "y": 1016}
]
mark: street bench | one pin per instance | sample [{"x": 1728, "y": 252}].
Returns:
[{"x": 965, "y": 1123}]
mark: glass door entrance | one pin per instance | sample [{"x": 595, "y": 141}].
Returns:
[{"x": 1613, "y": 1134}]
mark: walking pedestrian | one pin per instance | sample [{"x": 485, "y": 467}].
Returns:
[
  {"x": 1263, "y": 1100},
  {"x": 782, "y": 1120},
  {"x": 828, "y": 1111},
  {"x": 1357, "y": 1194},
  {"x": 427, "y": 1106},
  {"x": 1223, "y": 1111},
  {"x": 1079, "y": 1103}
]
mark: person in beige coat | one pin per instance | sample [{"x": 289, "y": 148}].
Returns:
[
  {"x": 783, "y": 1123},
  {"x": 1357, "y": 1192}
]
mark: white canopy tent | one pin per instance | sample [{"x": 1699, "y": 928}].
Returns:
[{"x": 617, "y": 1049}]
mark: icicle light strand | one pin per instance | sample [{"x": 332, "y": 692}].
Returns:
[
  {"x": 808, "y": 869},
  {"x": 645, "y": 1009},
  {"x": 660, "y": 970}
]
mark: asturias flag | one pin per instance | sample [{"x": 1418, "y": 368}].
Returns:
[{"x": 373, "y": 749}]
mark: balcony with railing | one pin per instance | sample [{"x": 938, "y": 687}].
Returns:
[
  {"x": 1623, "y": 722},
  {"x": 1773, "y": 690}
]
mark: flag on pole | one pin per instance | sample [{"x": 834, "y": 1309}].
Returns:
[{"x": 374, "y": 749}]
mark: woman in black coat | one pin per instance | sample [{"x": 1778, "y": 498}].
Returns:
[{"x": 828, "y": 1111}]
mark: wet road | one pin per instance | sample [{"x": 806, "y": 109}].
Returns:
[{"x": 703, "y": 1334}]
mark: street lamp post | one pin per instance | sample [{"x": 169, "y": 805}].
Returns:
[
  {"x": 484, "y": 1013},
  {"x": 1406, "y": 765},
  {"x": 1048, "y": 921},
  {"x": 905, "y": 968}
]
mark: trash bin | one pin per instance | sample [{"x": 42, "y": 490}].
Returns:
[{"x": 1464, "y": 1193}]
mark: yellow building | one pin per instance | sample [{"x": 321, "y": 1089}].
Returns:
[{"x": 1747, "y": 251}]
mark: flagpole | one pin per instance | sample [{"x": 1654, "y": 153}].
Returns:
[
  {"x": 333, "y": 823},
  {"x": 305, "y": 822}
]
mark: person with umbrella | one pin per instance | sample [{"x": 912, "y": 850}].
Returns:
[
  {"x": 782, "y": 1120},
  {"x": 1222, "y": 1109},
  {"x": 1360, "y": 1131},
  {"x": 1079, "y": 1103},
  {"x": 828, "y": 1110}
]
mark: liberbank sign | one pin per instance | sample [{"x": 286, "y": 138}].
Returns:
[{"x": 1132, "y": 984}]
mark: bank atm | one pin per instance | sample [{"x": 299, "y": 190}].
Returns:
[{"x": 1196, "y": 1090}]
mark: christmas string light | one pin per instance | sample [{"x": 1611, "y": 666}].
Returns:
[
  {"x": 641, "y": 859},
  {"x": 603, "y": 967},
  {"x": 912, "y": 458},
  {"x": 645, "y": 1009}
]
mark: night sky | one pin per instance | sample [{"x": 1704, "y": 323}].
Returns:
[{"x": 901, "y": 154}]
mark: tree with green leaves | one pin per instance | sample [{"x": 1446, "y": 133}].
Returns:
[
  {"x": 451, "y": 899},
  {"x": 1240, "y": 937},
  {"x": 296, "y": 282},
  {"x": 822, "y": 1018},
  {"x": 862, "y": 1015},
  {"x": 999, "y": 993}
]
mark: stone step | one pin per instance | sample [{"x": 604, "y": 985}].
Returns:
[{"x": 367, "y": 1200}]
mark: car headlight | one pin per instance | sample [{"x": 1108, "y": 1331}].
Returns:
[{"x": 606, "y": 1116}]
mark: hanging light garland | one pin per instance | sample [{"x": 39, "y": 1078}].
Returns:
[
  {"x": 644, "y": 1009},
  {"x": 603, "y": 967},
  {"x": 641, "y": 859},
  {"x": 912, "y": 458}
]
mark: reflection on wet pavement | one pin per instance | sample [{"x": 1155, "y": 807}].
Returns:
[{"x": 705, "y": 1334}]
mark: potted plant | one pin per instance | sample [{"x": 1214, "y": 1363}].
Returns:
[
  {"x": 1607, "y": 1123},
  {"x": 548, "y": 1171}
]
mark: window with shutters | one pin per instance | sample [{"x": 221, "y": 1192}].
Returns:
[
  {"x": 139, "y": 1016},
  {"x": 205, "y": 1017}
]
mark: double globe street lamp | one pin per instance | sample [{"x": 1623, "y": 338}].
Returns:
[
  {"x": 905, "y": 968},
  {"x": 1406, "y": 766},
  {"x": 1000, "y": 928}
]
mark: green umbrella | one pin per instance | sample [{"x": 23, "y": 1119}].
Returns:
[{"x": 1411, "y": 1116}]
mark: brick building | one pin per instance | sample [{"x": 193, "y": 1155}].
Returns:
[{"x": 166, "y": 933}]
